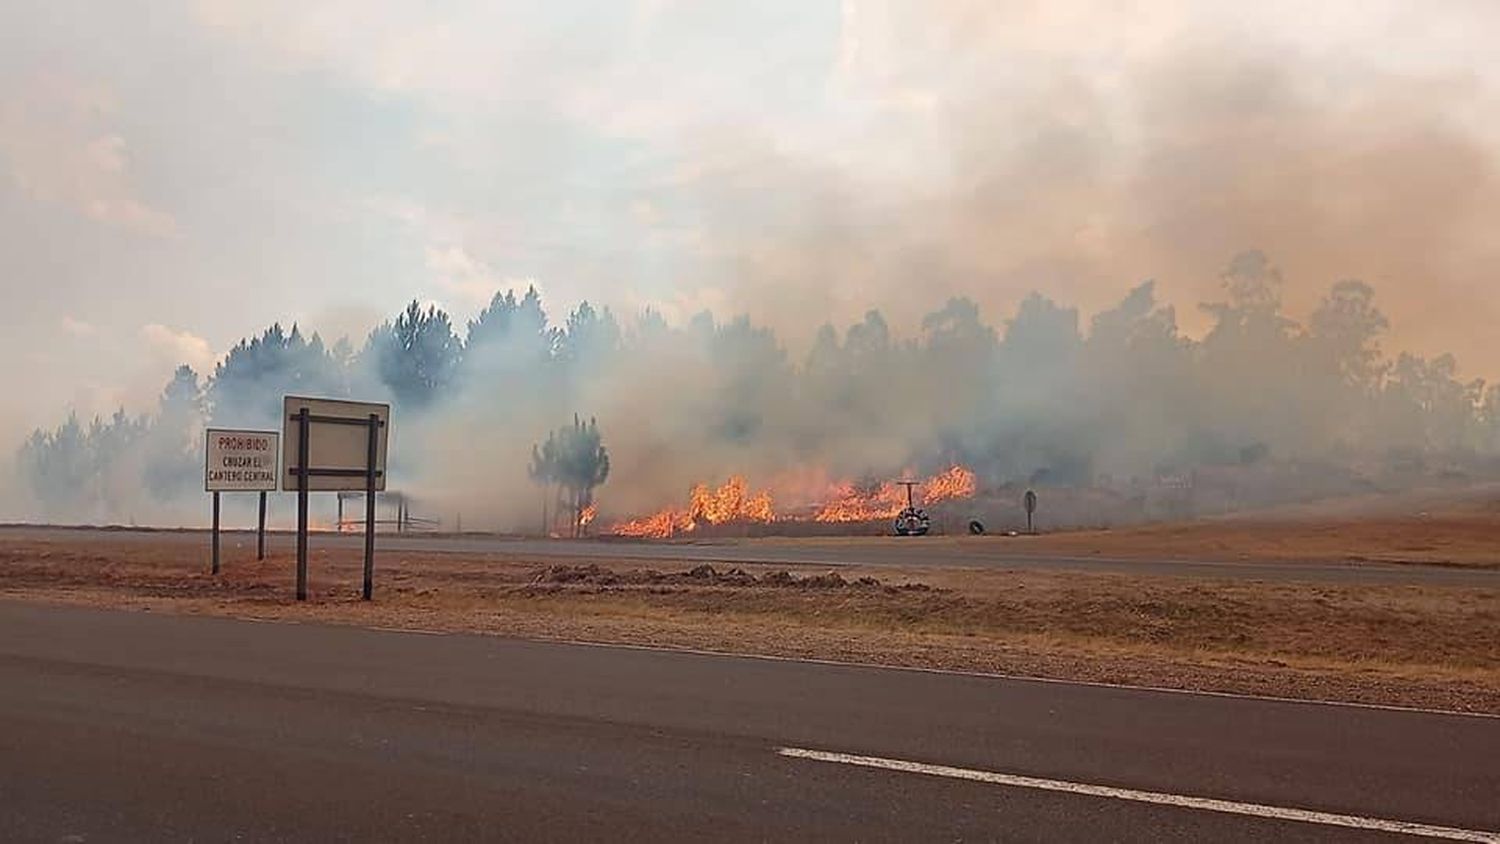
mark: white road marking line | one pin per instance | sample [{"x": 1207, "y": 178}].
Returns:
[{"x": 1207, "y": 804}]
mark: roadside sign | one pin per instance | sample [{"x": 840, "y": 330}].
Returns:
[
  {"x": 337, "y": 443},
  {"x": 332, "y": 445},
  {"x": 240, "y": 461}
]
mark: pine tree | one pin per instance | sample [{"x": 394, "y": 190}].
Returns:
[{"x": 574, "y": 457}]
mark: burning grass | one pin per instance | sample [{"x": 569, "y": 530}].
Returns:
[
  {"x": 1427, "y": 646},
  {"x": 836, "y": 502},
  {"x": 731, "y": 503}
]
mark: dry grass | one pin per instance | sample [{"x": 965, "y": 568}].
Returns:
[
  {"x": 1439, "y": 540},
  {"x": 1427, "y": 646},
  {"x": 1447, "y": 538}
]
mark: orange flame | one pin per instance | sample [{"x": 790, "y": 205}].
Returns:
[
  {"x": 953, "y": 482},
  {"x": 662, "y": 525},
  {"x": 850, "y": 503},
  {"x": 587, "y": 515},
  {"x": 886, "y": 501},
  {"x": 731, "y": 502},
  {"x": 842, "y": 502}
]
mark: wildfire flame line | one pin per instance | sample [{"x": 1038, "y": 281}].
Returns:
[
  {"x": 731, "y": 502},
  {"x": 843, "y": 502},
  {"x": 852, "y": 504}
]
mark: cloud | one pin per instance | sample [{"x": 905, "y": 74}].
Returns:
[
  {"x": 467, "y": 281},
  {"x": 77, "y": 327},
  {"x": 800, "y": 162},
  {"x": 1043, "y": 159},
  {"x": 133, "y": 215},
  {"x": 58, "y": 148},
  {"x": 178, "y": 347},
  {"x": 472, "y": 52}
]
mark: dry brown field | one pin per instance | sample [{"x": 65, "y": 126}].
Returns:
[{"x": 1424, "y": 646}]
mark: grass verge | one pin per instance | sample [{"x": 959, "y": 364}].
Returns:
[{"x": 1436, "y": 647}]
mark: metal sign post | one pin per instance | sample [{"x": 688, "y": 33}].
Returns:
[
  {"x": 216, "y": 532},
  {"x": 260, "y": 529},
  {"x": 372, "y": 438},
  {"x": 1030, "y": 510},
  {"x": 240, "y": 461},
  {"x": 303, "y": 421},
  {"x": 335, "y": 445}
]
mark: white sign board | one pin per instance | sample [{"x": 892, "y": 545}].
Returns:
[
  {"x": 337, "y": 443},
  {"x": 240, "y": 461}
]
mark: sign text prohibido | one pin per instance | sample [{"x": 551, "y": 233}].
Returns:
[{"x": 240, "y": 461}]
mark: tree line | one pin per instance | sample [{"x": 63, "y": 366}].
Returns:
[{"x": 1041, "y": 395}]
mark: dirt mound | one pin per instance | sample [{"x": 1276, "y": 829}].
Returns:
[{"x": 706, "y": 575}]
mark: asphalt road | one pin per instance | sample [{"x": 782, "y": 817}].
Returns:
[
  {"x": 132, "y": 726},
  {"x": 990, "y": 553}
]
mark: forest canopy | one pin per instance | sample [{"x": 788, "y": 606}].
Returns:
[{"x": 1041, "y": 394}]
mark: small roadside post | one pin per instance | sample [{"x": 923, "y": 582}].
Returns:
[
  {"x": 260, "y": 529},
  {"x": 335, "y": 445},
  {"x": 216, "y": 532},
  {"x": 237, "y": 460},
  {"x": 1030, "y": 503},
  {"x": 372, "y": 445}
]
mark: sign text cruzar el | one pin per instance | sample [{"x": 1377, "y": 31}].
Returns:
[{"x": 254, "y": 462}]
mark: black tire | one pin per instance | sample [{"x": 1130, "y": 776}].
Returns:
[{"x": 912, "y": 523}]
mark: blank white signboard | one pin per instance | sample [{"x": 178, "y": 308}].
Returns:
[{"x": 332, "y": 445}]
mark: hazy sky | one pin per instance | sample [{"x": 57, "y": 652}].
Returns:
[{"x": 175, "y": 175}]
